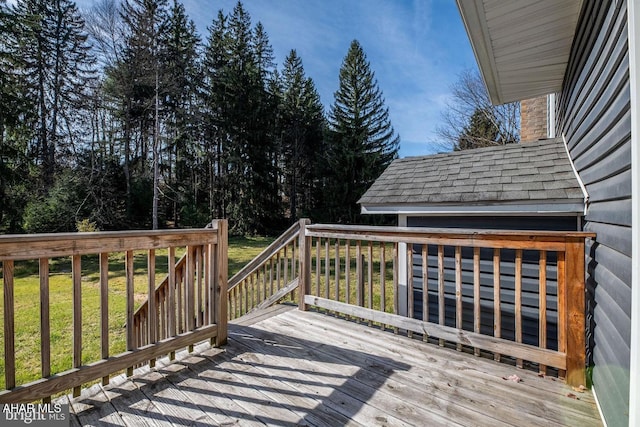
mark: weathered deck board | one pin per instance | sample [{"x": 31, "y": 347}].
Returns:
[{"x": 286, "y": 367}]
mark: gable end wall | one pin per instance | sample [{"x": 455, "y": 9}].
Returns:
[{"x": 594, "y": 118}]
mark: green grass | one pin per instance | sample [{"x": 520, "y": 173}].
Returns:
[{"x": 27, "y": 306}]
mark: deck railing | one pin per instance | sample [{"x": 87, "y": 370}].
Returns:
[
  {"x": 268, "y": 278},
  {"x": 195, "y": 307},
  {"x": 463, "y": 279}
]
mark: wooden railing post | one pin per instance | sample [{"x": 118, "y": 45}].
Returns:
[
  {"x": 221, "y": 288},
  {"x": 575, "y": 312},
  {"x": 304, "y": 254}
]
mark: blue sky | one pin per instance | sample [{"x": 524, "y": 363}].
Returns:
[{"x": 416, "y": 49}]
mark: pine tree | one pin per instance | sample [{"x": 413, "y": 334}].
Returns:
[
  {"x": 361, "y": 140},
  {"x": 302, "y": 123},
  {"x": 181, "y": 84},
  {"x": 215, "y": 108},
  {"x": 138, "y": 83},
  {"x": 480, "y": 132},
  {"x": 17, "y": 120},
  {"x": 238, "y": 70},
  {"x": 58, "y": 69}
]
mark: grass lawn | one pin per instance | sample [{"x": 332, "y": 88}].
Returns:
[{"x": 27, "y": 306}]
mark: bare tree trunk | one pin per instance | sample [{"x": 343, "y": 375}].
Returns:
[{"x": 156, "y": 180}]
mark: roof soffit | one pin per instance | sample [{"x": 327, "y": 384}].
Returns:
[{"x": 522, "y": 46}]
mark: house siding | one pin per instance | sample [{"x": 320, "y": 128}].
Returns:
[{"x": 594, "y": 117}]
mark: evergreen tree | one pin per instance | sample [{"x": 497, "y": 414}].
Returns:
[
  {"x": 215, "y": 106},
  {"x": 181, "y": 63},
  {"x": 301, "y": 123},
  {"x": 470, "y": 112},
  {"x": 480, "y": 132},
  {"x": 138, "y": 84},
  {"x": 238, "y": 70},
  {"x": 58, "y": 69},
  {"x": 361, "y": 141},
  {"x": 16, "y": 122}
]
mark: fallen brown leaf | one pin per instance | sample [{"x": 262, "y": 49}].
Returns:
[
  {"x": 579, "y": 389},
  {"x": 572, "y": 396}
]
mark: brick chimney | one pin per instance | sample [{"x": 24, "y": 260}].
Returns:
[{"x": 533, "y": 119}]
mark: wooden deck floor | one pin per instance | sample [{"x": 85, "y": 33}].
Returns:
[{"x": 303, "y": 368}]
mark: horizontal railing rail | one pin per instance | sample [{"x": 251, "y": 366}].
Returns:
[
  {"x": 465, "y": 287},
  {"x": 270, "y": 277},
  {"x": 202, "y": 305}
]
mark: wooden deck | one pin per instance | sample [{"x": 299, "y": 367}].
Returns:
[{"x": 288, "y": 367}]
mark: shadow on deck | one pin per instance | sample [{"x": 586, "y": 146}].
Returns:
[{"x": 286, "y": 367}]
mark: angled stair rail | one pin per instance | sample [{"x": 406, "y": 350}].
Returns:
[{"x": 270, "y": 277}]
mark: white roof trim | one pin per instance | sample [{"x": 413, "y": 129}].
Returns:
[
  {"x": 522, "y": 46},
  {"x": 513, "y": 209}
]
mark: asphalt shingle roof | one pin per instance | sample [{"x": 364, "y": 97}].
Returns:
[{"x": 530, "y": 172}]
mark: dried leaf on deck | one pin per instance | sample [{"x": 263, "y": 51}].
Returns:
[
  {"x": 514, "y": 378},
  {"x": 579, "y": 389}
]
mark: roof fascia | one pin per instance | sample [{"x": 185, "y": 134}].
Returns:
[
  {"x": 565, "y": 208},
  {"x": 473, "y": 17}
]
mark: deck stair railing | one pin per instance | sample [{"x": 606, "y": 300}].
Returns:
[
  {"x": 191, "y": 306},
  {"x": 269, "y": 278},
  {"x": 496, "y": 293}
]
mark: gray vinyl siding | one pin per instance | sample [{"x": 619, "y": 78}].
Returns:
[{"x": 594, "y": 115}]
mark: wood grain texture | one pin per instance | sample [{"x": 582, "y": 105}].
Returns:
[
  {"x": 9, "y": 325},
  {"x": 484, "y": 342},
  {"x": 78, "y": 376},
  {"x": 76, "y": 273},
  {"x": 329, "y": 372},
  {"x": 575, "y": 312},
  {"x": 104, "y": 309},
  {"x": 45, "y": 321},
  {"x": 22, "y": 247}
]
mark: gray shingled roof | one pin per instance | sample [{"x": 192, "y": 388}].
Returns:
[{"x": 529, "y": 173}]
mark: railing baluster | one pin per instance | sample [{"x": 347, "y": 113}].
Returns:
[
  {"x": 190, "y": 289},
  {"x": 104, "y": 309},
  {"x": 337, "y": 268},
  {"x": 562, "y": 304},
  {"x": 370, "y": 277},
  {"x": 198, "y": 285},
  {"x": 318, "y": 261},
  {"x": 359, "y": 275},
  {"x": 278, "y": 271},
  {"x": 151, "y": 300},
  {"x": 395, "y": 281},
  {"x": 476, "y": 295},
  {"x": 285, "y": 271},
  {"x": 129, "y": 273},
  {"x": 425, "y": 287},
  {"x": 347, "y": 271},
  {"x": 9, "y": 326},
  {"x": 542, "y": 304},
  {"x": 180, "y": 283},
  {"x": 45, "y": 323},
  {"x": 497, "y": 324},
  {"x": 76, "y": 273},
  {"x": 207, "y": 313},
  {"x": 327, "y": 269},
  {"x": 171, "y": 309},
  {"x": 458, "y": 256},
  {"x": 518, "y": 301},
  {"x": 383, "y": 285},
  {"x": 410, "y": 294},
  {"x": 264, "y": 282},
  {"x": 271, "y": 275},
  {"x": 441, "y": 288}
]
